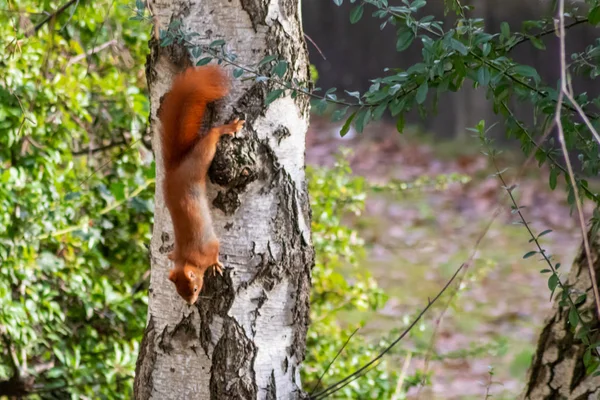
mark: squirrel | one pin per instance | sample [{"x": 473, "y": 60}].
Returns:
[{"x": 187, "y": 158}]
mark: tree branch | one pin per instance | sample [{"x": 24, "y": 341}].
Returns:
[{"x": 53, "y": 15}]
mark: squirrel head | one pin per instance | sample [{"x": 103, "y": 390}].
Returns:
[{"x": 188, "y": 280}]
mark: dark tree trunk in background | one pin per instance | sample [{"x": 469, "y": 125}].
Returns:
[
  {"x": 557, "y": 370},
  {"x": 245, "y": 337}
]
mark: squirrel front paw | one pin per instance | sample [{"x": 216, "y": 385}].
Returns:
[
  {"x": 234, "y": 127},
  {"x": 218, "y": 267}
]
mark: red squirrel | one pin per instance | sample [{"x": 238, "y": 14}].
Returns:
[{"x": 187, "y": 158}]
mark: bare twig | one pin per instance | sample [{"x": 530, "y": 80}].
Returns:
[
  {"x": 98, "y": 149},
  {"x": 338, "y": 385},
  {"x": 332, "y": 361},
  {"x": 95, "y": 50},
  {"x": 54, "y": 15},
  {"x": 547, "y": 32},
  {"x": 316, "y": 47},
  {"x": 561, "y": 135},
  {"x": 402, "y": 376},
  {"x": 453, "y": 296},
  {"x": 98, "y": 33}
]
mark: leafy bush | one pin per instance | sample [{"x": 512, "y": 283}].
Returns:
[{"x": 74, "y": 221}]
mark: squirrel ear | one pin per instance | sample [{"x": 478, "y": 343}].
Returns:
[
  {"x": 172, "y": 276},
  {"x": 191, "y": 275}
]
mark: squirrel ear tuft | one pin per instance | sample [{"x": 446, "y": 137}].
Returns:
[{"x": 172, "y": 276}]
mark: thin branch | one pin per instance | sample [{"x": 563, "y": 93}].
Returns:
[
  {"x": 95, "y": 50},
  {"x": 561, "y": 135},
  {"x": 547, "y": 153},
  {"x": 338, "y": 385},
  {"x": 398, "y": 392},
  {"x": 546, "y": 32},
  {"x": 54, "y": 15},
  {"x": 98, "y": 33},
  {"x": 99, "y": 149},
  {"x": 453, "y": 296},
  {"x": 316, "y": 47},
  {"x": 332, "y": 361},
  {"x": 372, "y": 367}
]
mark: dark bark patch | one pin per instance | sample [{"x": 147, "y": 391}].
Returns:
[
  {"x": 143, "y": 385},
  {"x": 228, "y": 202},
  {"x": 216, "y": 299},
  {"x": 271, "y": 387},
  {"x": 281, "y": 133},
  {"x": 232, "y": 372},
  {"x": 257, "y": 11},
  {"x": 252, "y": 103},
  {"x": 165, "y": 246}
]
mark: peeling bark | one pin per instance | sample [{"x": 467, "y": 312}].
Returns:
[
  {"x": 245, "y": 337},
  {"x": 557, "y": 370}
]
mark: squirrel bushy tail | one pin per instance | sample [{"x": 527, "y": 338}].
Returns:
[{"x": 183, "y": 109}]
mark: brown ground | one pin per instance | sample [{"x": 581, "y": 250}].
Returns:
[{"x": 416, "y": 242}]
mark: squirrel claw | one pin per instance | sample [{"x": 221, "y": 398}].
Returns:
[{"x": 218, "y": 267}]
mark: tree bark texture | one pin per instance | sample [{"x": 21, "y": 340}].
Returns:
[
  {"x": 557, "y": 371},
  {"x": 245, "y": 337}
]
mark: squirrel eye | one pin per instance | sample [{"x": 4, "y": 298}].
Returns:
[{"x": 195, "y": 289}]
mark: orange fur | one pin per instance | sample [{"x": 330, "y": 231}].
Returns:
[{"x": 187, "y": 158}]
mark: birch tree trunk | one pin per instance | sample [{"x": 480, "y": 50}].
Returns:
[
  {"x": 557, "y": 370},
  {"x": 245, "y": 337}
]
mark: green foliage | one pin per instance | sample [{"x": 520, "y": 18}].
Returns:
[
  {"x": 339, "y": 285},
  {"x": 74, "y": 222}
]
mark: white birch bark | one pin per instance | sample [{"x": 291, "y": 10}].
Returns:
[{"x": 245, "y": 337}]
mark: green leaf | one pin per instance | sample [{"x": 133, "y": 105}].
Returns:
[
  {"x": 529, "y": 254},
  {"x": 238, "y": 72},
  {"x": 527, "y": 71},
  {"x": 405, "y": 39},
  {"x": 505, "y": 30},
  {"x": 459, "y": 46},
  {"x": 422, "y": 93},
  {"x": 537, "y": 43},
  {"x": 379, "y": 110},
  {"x": 217, "y": 43},
  {"x": 483, "y": 75},
  {"x": 346, "y": 126},
  {"x": 552, "y": 282},
  {"x": 573, "y": 317},
  {"x": 280, "y": 68},
  {"x": 338, "y": 114},
  {"x": 553, "y": 177},
  {"x": 356, "y": 14},
  {"x": 272, "y": 96},
  {"x": 547, "y": 231},
  {"x": 485, "y": 49},
  {"x": 203, "y": 61},
  {"x": 362, "y": 119},
  {"x": 594, "y": 15},
  {"x": 266, "y": 59},
  {"x": 400, "y": 123}
]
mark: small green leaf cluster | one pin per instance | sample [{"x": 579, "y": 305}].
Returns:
[
  {"x": 270, "y": 69},
  {"x": 76, "y": 203},
  {"x": 582, "y": 320},
  {"x": 466, "y": 52}
]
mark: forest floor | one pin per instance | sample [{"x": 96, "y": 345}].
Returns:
[{"x": 416, "y": 242}]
